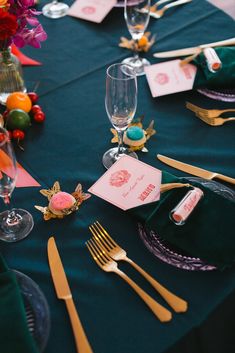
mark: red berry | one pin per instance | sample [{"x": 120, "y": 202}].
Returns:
[
  {"x": 39, "y": 117},
  {"x": 36, "y": 108},
  {"x": 18, "y": 134},
  {"x": 10, "y": 134},
  {"x": 33, "y": 97},
  {"x": 2, "y": 137},
  {"x": 5, "y": 114}
]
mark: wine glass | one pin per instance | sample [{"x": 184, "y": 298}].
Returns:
[
  {"x": 15, "y": 224},
  {"x": 136, "y": 13},
  {"x": 120, "y": 104},
  {"x": 55, "y": 9}
]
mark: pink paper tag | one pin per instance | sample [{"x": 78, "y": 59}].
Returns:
[
  {"x": 169, "y": 77},
  {"x": 91, "y": 10},
  {"x": 23, "y": 178},
  {"x": 129, "y": 183}
]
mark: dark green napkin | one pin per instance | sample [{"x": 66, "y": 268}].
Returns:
[
  {"x": 209, "y": 231},
  {"x": 14, "y": 333},
  {"x": 224, "y": 78}
]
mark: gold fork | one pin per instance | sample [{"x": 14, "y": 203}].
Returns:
[
  {"x": 159, "y": 13},
  {"x": 208, "y": 113},
  {"x": 214, "y": 121},
  {"x": 110, "y": 247},
  {"x": 107, "y": 264},
  {"x": 158, "y": 3}
]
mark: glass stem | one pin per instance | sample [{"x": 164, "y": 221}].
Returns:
[
  {"x": 12, "y": 218},
  {"x": 136, "y": 53},
  {"x": 120, "y": 142}
]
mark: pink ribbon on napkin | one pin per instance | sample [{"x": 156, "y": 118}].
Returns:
[
  {"x": 24, "y": 179},
  {"x": 24, "y": 60}
]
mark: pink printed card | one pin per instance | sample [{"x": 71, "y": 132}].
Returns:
[
  {"x": 91, "y": 10},
  {"x": 169, "y": 77},
  {"x": 129, "y": 183}
]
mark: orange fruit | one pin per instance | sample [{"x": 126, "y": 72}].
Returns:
[{"x": 19, "y": 100}]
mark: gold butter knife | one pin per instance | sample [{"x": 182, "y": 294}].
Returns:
[
  {"x": 202, "y": 173},
  {"x": 63, "y": 292}
]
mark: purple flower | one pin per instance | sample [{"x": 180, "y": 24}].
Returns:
[
  {"x": 32, "y": 37},
  {"x": 25, "y": 3}
]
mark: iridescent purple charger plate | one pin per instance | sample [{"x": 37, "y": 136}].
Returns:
[{"x": 175, "y": 257}]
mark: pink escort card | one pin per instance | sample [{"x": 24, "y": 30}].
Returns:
[
  {"x": 169, "y": 77},
  {"x": 129, "y": 183},
  {"x": 91, "y": 10},
  {"x": 24, "y": 179}
]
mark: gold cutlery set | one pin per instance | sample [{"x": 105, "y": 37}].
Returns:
[
  {"x": 106, "y": 252},
  {"x": 210, "y": 116}
]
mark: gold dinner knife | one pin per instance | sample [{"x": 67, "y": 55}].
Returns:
[
  {"x": 202, "y": 173},
  {"x": 63, "y": 292},
  {"x": 193, "y": 50}
]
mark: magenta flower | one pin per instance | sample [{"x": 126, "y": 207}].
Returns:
[
  {"x": 26, "y": 3},
  {"x": 29, "y": 31},
  {"x": 32, "y": 37}
]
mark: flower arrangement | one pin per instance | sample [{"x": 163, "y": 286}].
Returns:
[{"x": 19, "y": 24}]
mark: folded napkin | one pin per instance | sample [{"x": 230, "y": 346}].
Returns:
[
  {"x": 14, "y": 334},
  {"x": 208, "y": 233},
  {"x": 224, "y": 78},
  {"x": 24, "y": 60}
]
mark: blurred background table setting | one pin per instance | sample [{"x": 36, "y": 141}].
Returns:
[{"x": 178, "y": 106}]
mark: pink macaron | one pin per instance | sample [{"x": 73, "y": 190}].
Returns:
[{"x": 61, "y": 201}]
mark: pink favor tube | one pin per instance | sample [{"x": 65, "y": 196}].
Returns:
[
  {"x": 185, "y": 207},
  {"x": 213, "y": 61}
]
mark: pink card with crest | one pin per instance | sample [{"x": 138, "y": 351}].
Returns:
[
  {"x": 129, "y": 183},
  {"x": 91, "y": 10},
  {"x": 169, "y": 77}
]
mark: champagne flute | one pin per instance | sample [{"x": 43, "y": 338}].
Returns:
[
  {"x": 136, "y": 14},
  {"x": 55, "y": 9},
  {"x": 15, "y": 224},
  {"x": 120, "y": 104}
]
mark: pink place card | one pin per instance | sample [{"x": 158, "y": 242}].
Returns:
[
  {"x": 129, "y": 183},
  {"x": 91, "y": 10},
  {"x": 24, "y": 60},
  {"x": 169, "y": 77},
  {"x": 24, "y": 179}
]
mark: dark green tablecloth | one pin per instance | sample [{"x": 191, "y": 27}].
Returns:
[{"x": 69, "y": 148}]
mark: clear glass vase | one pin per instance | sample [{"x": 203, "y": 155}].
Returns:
[{"x": 11, "y": 77}]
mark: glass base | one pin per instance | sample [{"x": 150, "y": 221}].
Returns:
[
  {"x": 15, "y": 231},
  {"x": 55, "y": 10},
  {"x": 3, "y": 96},
  {"x": 137, "y": 64},
  {"x": 110, "y": 157}
]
